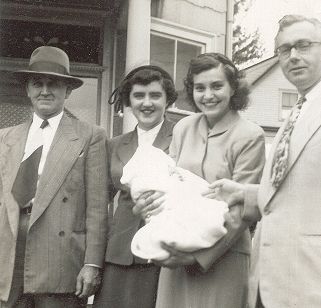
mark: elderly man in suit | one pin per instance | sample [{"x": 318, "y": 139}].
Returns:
[
  {"x": 53, "y": 195},
  {"x": 286, "y": 259}
]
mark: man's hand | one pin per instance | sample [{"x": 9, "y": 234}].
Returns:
[
  {"x": 227, "y": 190},
  {"x": 88, "y": 280},
  {"x": 177, "y": 258},
  {"x": 149, "y": 204}
]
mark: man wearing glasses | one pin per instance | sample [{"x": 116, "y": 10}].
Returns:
[{"x": 286, "y": 258}]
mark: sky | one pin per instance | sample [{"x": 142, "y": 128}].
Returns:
[{"x": 265, "y": 14}]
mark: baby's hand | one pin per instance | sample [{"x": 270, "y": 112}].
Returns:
[{"x": 173, "y": 171}]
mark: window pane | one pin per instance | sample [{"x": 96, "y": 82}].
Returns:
[
  {"x": 289, "y": 100},
  {"x": 294, "y": 98},
  {"x": 162, "y": 53},
  {"x": 185, "y": 52},
  {"x": 82, "y": 103}
]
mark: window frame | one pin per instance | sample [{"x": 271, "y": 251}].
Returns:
[
  {"x": 282, "y": 116},
  {"x": 206, "y": 40},
  {"x": 176, "y": 40}
]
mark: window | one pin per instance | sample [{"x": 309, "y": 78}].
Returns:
[
  {"x": 288, "y": 100},
  {"x": 172, "y": 47},
  {"x": 173, "y": 56},
  {"x": 80, "y": 105}
]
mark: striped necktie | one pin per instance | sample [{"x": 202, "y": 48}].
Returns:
[
  {"x": 280, "y": 161},
  {"x": 25, "y": 185}
]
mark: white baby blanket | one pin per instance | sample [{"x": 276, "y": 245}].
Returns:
[{"x": 189, "y": 220}]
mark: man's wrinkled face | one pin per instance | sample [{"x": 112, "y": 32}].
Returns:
[{"x": 47, "y": 95}]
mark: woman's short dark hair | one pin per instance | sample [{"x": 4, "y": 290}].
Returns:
[
  {"x": 207, "y": 61},
  {"x": 144, "y": 75}
]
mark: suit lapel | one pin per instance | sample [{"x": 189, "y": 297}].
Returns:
[
  {"x": 64, "y": 151},
  {"x": 164, "y": 136},
  {"x": 128, "y": 146},
  {"x": 304, "y": 129},
  {"x": 13, "y": 150},
  {"x": 13, "y": 153},
  {"x": 194, "y": 141},
  {"x": 302, "y": 133},
  {"x": 266, "y": 190}
]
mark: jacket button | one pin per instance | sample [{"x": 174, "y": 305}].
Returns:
[
  {"x": 61, "y": 233},
  {"x": 64, "y": 199}
]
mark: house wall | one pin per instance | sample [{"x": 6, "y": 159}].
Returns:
[
  {"x": 204, "y": 15},
  {"x": 179, "y": 11},
  {"x": 265, "y": 98}
]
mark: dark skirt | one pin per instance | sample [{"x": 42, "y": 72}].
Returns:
[{"x": 133, "y": 286}]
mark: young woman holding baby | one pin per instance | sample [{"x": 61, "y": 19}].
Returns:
[
  {"x": 128, "y": 281},
  {"x": 214, "y": 143}
]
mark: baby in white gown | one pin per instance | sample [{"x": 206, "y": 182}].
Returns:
[{"x": 188, "y": 220}]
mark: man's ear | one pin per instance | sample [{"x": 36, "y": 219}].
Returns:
[
  {"x": 27, "y": 88},
  {"x": 68, "y": 92}
]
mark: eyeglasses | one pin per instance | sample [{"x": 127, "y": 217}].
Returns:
[{"x": 302, "y": 47}]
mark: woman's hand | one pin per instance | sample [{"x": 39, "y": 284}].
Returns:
[
  {"x": 176, "y": 259},
  {"x": 233, "y": 218},
  {"x": 227, "y": 190},
  {"x": 148, "y": 204}
]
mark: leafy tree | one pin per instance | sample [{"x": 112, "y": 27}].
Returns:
[{"x": 246, "y": 46}]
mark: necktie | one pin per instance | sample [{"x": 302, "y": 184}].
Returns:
[
  {"x": 25, "y": 185},
  {"x": 280, "y": 161}
]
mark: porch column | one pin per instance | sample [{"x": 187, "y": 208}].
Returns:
[
  {"x": 138, "y": 45},
  {"x": 229, "y": 28}
]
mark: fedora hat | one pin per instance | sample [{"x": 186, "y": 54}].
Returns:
[{"x": 50, "y": 61}]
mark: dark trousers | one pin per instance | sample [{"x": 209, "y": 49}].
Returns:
[
  {"x": 18, "y": 299},
  {"x": 258, "y": 301}
]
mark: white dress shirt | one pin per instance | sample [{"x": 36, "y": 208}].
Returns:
[
  {"x": 147, "y": 137},
  {"x": 37, "y": 137}
]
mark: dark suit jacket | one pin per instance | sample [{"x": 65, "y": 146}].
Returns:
[
  {"x": 69, "y": 218},
  {"x": 125, "y": 224}
]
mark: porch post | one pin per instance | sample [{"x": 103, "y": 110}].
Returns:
[{"x": 138, "y": 45}]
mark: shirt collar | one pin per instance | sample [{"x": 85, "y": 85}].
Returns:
[
  {"x": 152, "y": 131},
  {"x": 224, "y": 124},
  {"x": 314, "y": 93},
  {"x": 53, "y": 122}
]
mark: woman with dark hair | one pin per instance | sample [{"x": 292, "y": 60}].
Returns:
[
  {"x": 129, "y": 281},
  {"x": 214, "y": 143}
]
